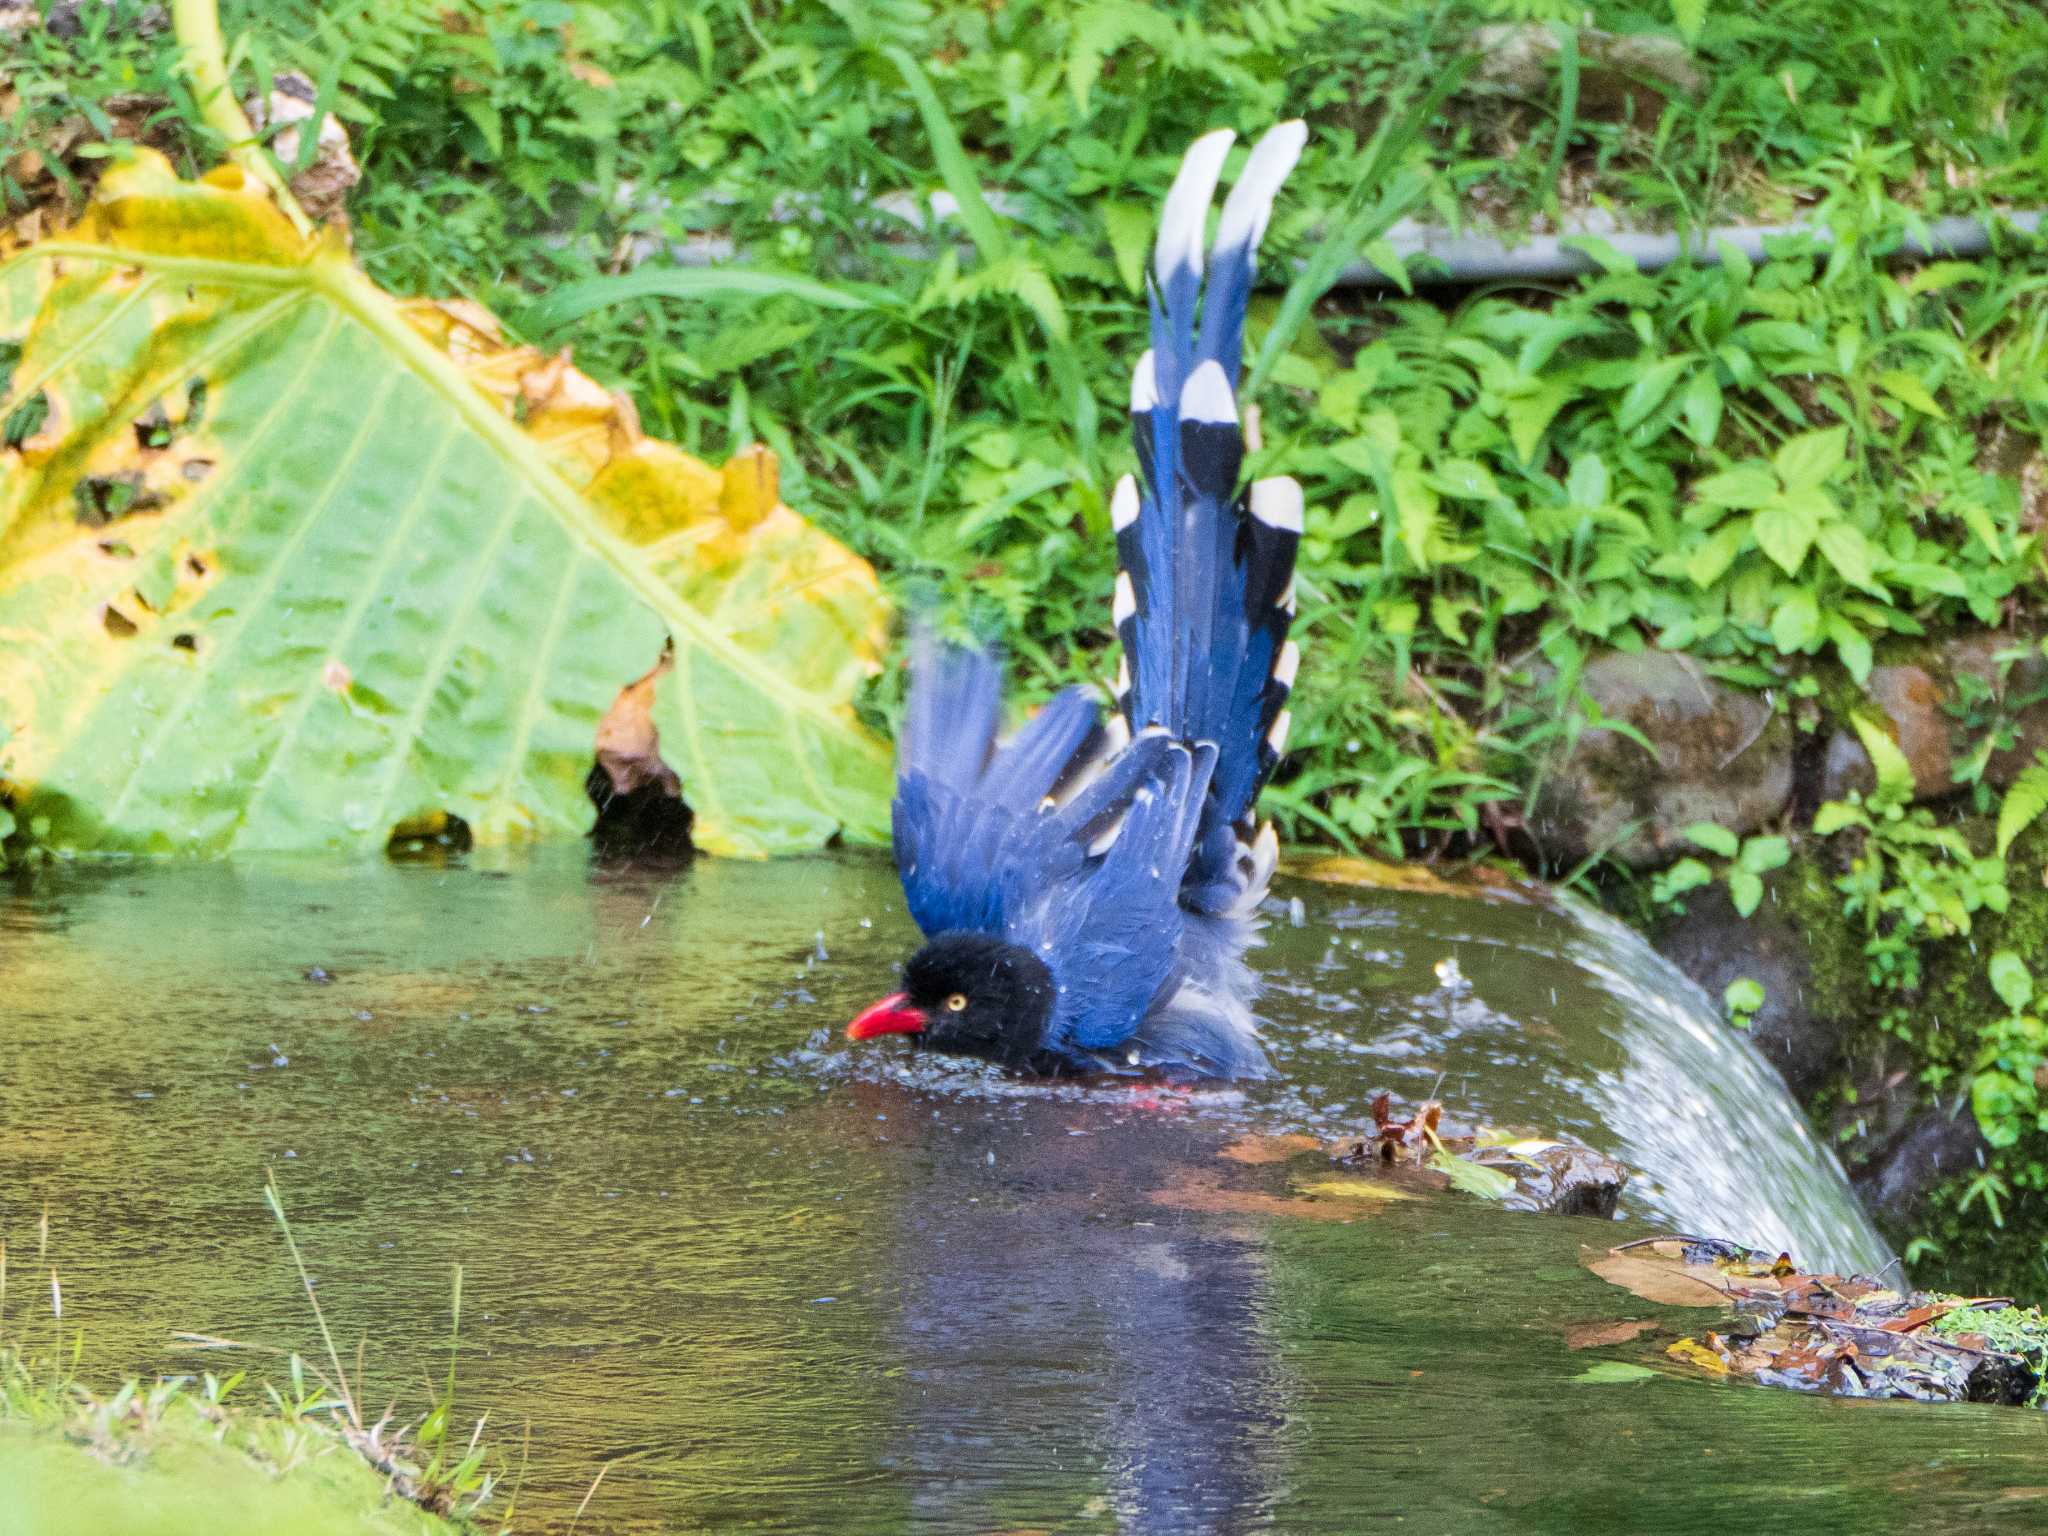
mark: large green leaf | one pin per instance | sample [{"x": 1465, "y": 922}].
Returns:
[{"x": 279, "y": 568}]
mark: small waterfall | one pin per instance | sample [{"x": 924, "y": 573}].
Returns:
[
  {"x": 1708, "y": 1123},
  {"x": 1548, "y": 1014}
]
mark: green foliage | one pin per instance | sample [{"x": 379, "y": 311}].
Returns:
[
  {"x": 1749, "y": 860},
  {"x": 1742, "y": 998},
  {"x": 2018, "y": 1331},
  {"x": 2023, "y": 802},
  {"x": 1772, "y": 464}
]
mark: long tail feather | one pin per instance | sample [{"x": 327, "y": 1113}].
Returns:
[{"x": 1204, "y": 591}]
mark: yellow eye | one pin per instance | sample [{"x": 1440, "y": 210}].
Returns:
[{"x": 956, "y": 1002}]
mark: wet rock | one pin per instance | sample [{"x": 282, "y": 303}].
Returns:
[
  {"x": 1934, "y": 1146},
  {"x": 1713, "y": 945},
  {"x": 1717, "y": 754},
  {"x": 1937, "y": 707},
  {"x": 1557, "y": 1179}
]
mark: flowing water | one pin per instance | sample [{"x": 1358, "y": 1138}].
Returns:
[{"x": 768, "y": 1280}]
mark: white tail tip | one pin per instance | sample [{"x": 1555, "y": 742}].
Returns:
[
  {"x": 1277, "y": 503},
  {"x": 1123, "y": 504},
  {"x": 1206, "y": 396},
  {"x": 1287, "y": 665},
  {"x": 1250, "y": 203},
  {"x": 1277, "y": 737},
  {"x": 1125, "y": 602},
  {"x": 1144, "y": 385},
  {"x": 1187, "y": 205}
]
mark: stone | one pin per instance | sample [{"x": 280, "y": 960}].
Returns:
[
  {"x": 1935, "y": 1146},
  {"x": 1714, "y": 946},
  {"x": 322, "y": 187},
  {"x": 1622, "y": 75},
  {"x": 1923, "y": 702},
  {"x": 1717, "y": 754},
  {"x": 1557, "y": 1179}
]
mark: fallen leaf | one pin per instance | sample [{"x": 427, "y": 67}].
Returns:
[
  {"x": 1695, "y": 1353},
  {"x": 1611, "y": 1372},
  {"x": 1476, "y": 880},
  {"x": 1357, "y": 1189},
  {"x": 1600, "y": 1335},
  {"x": 1256, "y": 1150},
  {"x": 1647, "y": 1277},
  {"x": 1473, "y": 1178},
  {"x": 1201, "y": 1191}
]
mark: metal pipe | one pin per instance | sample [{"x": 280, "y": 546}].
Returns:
[
  {"x": 1476, "y": 258},
  {"x": 1441, "y": 257}
]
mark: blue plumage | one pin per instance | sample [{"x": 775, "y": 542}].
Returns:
[{"x": 1125, "y": 859}]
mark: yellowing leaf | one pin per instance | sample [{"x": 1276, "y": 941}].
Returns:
[
  {"x": 284, "y": 569},
  {"x": 1357, "y": 1189},
  {"x": 1692, "y": 1352}
]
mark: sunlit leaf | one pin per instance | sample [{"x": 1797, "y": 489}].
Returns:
[
  {"x": 1796, "y": 625},
  {"x": 1701, "y": 408},
  {"x": 2011, "y": 980},
  {"x": 1849, "y": 552},
  {"x": 1907, "y": 389},
  {"x": 1784, "y": 531},
  {"x": 1812, "y": 458},
  {"x": 1894, "y": 772},
  {"x": 1713, "y": 838},
  {"x": 2023, "y": 803}
]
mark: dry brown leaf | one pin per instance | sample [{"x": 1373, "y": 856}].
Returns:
[
  {"x": 1256, "y": 1150},
  {"x": 1600, "y": 1335},
  {"x": 1676, "y": 1285}
]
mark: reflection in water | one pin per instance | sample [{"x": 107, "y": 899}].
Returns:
[
  {"x": 768, "y": 1282},
  {"x": 1037, "y": 1273}
]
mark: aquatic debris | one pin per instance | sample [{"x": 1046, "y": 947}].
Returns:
[
  {"x": 1614, "y": 1373},
  {"x": 1528, "y": 1174},
  {"x": 1485, "y": 881},
  {"x": 1845, "y": 1336},
  {"x": 1417, "y": 1134},
  {"x": 1601, "y": 1335}
]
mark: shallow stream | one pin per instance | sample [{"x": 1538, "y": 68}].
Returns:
[{"x": 771, "y": 1281}]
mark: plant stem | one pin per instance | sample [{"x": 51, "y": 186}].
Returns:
[{"x": 204, "y": 57}]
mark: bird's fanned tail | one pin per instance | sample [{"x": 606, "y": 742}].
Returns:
[{"x": 1205, "y": 588}]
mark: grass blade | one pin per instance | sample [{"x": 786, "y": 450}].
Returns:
[
  {"x": 954, "y": 167},
  {"x": 1370, "y": 211}
]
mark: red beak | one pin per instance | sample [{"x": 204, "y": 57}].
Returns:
[{"x": 891, "y": 1016}]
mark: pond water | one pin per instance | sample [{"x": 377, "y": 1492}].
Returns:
[{"x": 767, "y": 1280}]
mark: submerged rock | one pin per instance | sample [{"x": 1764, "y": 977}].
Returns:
[
  {"x": 1716, "y": 754},
  {"x": 1558, "y": 1179}
]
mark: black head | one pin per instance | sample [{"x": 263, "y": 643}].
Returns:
[{"x": 970, "y": 994}]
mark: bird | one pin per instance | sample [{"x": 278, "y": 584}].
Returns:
[{"x": 1087, "y": 888}]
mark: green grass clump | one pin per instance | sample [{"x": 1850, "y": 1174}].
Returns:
[
  {"x": 195, "y": 1449},
  {"x": 192, "y": 1451}
]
